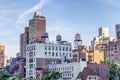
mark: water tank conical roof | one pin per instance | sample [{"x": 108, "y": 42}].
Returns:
[
  {"x": 44, "y": 35},
  {"x": 77, "y": 36},
  {"x": 58, "y": 38}
]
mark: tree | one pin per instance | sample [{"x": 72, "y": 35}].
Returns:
[
  {"x": 55, "y": 75},
  {"x": 46, "y": 77},
  {"x": 114, "y": 71},
  {"x": 4, "y": 75},
  {"x": 52, "y": 76}
]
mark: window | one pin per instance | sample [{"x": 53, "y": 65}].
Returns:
[
  {"x": 95, "y": 77},
  {"x": 60, "y": 54},
  {"x": 56, "y": 48},
  {"x": 63, "y": 49},
  {"x": 56, "y": 54},
  {"x": 66, "y": 48},
  {"x": 67, "y": 54},
  {"x": 72, "y": 75},
  {"x": 30, "y": 54},
  {"x": 45, "y": 47},
  {"x": 72, "y": 69},
  {"x": 52, "y": 53},
  {"x": 70, "y": 54},
  {"x": 31, "y": 60},
  {"x": 49, "y": 47},
  {"x": 89, "y": 77},
  {"x": 53, "y": 48},
  {"x": 30, "y": 72},
  {"x": 31, "y": 76},
  {"x": 49, "y": 54},
  {"x": 31, "y": 66},
  {"x": 70, "y": 48},
  {"x": 59, "y": 48},
  {"x": 45, "y": 53}
]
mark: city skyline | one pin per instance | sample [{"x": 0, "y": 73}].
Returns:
[{"x": 63, "y": 17}]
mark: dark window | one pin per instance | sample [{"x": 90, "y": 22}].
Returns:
[
  {"x": 53, "y": 48},
  {"x": 56, "y": 48},
  {"x": 72, "y": 75},
  {"x": 52, "y": 53},
  {"x": 72, "y": 68},
  {"x": 49, "y": 54},
  {"x": 49, "y": 47},
  {"x": 30, "y": 73},
  {"x": 30, "y": 54},
  {"x": 66, "y": 48},
  {"x": 31, "y": 66},
  {"x": 45, "y": 53},
  {"x": 89, "y": 77},
  {"x": 59, "y": 48},
  {"x": 31, "y": 60},
  {"x": 63, "y": 49},
  {"x": 70, "y": 48},
  {"x": 70, "y": 54},
  {"x": 56, "y": 54},
  {"x": 66, "y": 54},
  {"x": 95, "y": 77},
  {"x": 45, "y": 47}
]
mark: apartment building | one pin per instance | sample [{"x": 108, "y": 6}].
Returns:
[
  {"x": 39, "y": 54},
  {"x": 3, "y": 57},
  {"x": 24, "y": 40},
  {"x": 37, "y": 25},
  {"x": 98, "y": 46},
  {"x": 70, "y": 70}
]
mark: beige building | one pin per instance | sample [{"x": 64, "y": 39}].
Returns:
[
  {"x": 98, "y": 46},
  {"x": 100, "y": 42},
  {"x": 81, "y": 53},
  {"x": 95, "y": 56},
  {"x": 104, "y": 32},
  {"x": 37, "y": 26},
  {"x": 3, "y": 57}
]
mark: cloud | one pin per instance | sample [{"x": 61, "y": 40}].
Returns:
[{"x": 33, "y": 9}]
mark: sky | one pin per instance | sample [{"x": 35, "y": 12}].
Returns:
[{"x": 64, "y": 17}]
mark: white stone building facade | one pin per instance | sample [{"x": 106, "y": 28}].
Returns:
[
  {"x": 44, "y": 51},
  {"x": 69, "y": 71}
]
